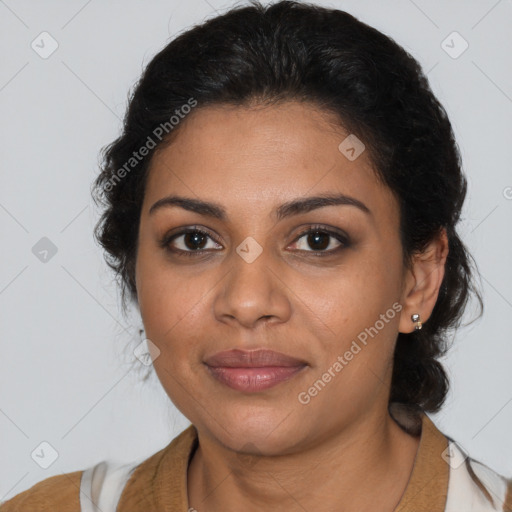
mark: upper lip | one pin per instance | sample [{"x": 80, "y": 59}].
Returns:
[{"x": 260, "y": 358}]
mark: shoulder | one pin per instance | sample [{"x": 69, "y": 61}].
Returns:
[
  {"x": 475, "y": 485},
  {"x": 59, "y": 492},
  {"x": 105, "y": 482},
  {"x": 508, "y": 500},
  {"x": 160, "y": 482}
]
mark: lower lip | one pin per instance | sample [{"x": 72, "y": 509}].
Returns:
[{"x": 253, "y": 379}]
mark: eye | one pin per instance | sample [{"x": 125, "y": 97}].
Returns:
[
  {"x": 194, "y": 241},
  {"x": 190, "y": 242},
  {"x": 320, "y": 239}
]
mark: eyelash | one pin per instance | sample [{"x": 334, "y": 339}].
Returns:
[{"x": 343, "y": 239}]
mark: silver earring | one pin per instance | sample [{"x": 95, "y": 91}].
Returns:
[{"x": 416, "y": 318}]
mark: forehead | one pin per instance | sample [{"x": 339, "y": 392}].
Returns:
[{"x": 262, "y": 156}]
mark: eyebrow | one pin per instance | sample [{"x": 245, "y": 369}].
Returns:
[{"x": 288, "y": 209}]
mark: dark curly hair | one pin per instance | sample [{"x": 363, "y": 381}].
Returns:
[{"x": 257, "y": 54}]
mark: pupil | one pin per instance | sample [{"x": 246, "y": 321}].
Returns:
[
  {"x": 194, "y": 236},
  {"x": 314, "y": 237}
]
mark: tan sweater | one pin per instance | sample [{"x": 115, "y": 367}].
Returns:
[{"x": 159, "y": 483}]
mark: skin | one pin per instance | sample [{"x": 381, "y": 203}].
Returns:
[{"x": 266, "y": 450}]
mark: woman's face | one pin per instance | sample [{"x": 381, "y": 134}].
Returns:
[{"x": 255, "y": 281}]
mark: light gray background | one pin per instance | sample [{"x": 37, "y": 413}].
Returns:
[{"x": 64, "y": 375}]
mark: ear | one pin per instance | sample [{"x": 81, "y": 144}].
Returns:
[{"x": 423, "y": 281}]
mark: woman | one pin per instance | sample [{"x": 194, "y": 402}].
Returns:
[{"x": 282, "y": 207}]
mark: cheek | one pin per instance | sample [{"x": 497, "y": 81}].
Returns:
[
  {"x": 174, "y": 308},
  {"x": 362, "y": 313},
  {"x": 352, "y": 298},
  {"x": 173, "y": 311},
  {"x": 166, "y": 296}
]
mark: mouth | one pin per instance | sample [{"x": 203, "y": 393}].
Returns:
[{"x": 253, "y": 371}]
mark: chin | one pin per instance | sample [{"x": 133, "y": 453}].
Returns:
[{"x": 256, "y": 430}]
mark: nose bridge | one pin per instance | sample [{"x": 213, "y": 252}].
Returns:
[
  {"x": 252, "y": 288},
  {"x": 251, "y": 280}
]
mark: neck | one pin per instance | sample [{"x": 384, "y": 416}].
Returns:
[{"x": 344, "y": 472}]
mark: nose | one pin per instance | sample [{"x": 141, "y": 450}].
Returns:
[{"x": 253, "y": 292}]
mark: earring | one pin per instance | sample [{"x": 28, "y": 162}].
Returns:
[{"x": 416, "y": 318}]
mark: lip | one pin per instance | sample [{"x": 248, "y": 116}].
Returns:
[
  {"x": 237, "y": 358},
  {"x": 253, "y": 371}
]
